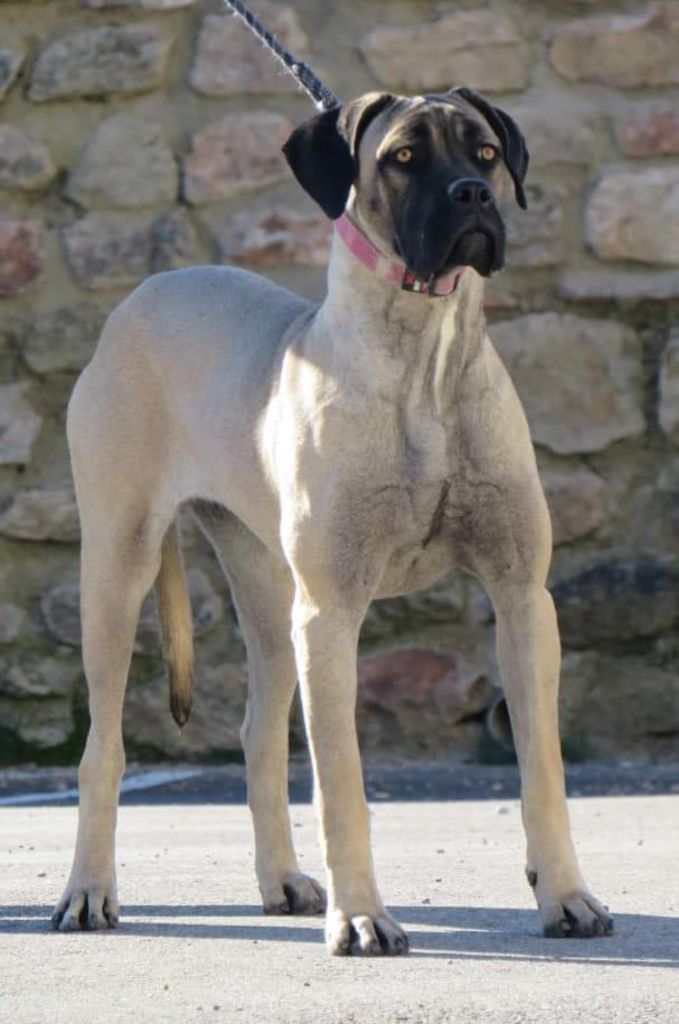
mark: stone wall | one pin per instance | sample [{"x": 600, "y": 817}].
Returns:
[{"x": 138, "y": 135}]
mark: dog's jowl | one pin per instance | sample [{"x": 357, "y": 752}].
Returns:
[{"x": 332, "y": 453}]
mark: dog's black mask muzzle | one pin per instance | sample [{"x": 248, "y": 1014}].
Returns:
[{"x": 454, "y": 225}]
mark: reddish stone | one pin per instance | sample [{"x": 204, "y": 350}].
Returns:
[
  {"x": 648, "y": 129},
  {"x": 240, "y": 152},
  {"x": 418, "y": 698},
  {"x": 635, "y": 216},
  {"x": 277, "y": 237},
  {"x": 21, "y": 255},
  {"x": 418, "y": 676}
]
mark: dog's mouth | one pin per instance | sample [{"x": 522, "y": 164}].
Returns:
[
  {"x": 477, "y": 248},
  {"x": 478, "y": 245}
]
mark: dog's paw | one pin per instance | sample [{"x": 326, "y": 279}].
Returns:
[
  {"x": 86, "y": 909},
  {"x": 295, "y": 894},
  {"x": 576, "y": 916},
  {"x": 364, "y": 934}
]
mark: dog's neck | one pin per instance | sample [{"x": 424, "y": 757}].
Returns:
[{"x": 379, "y": 332}]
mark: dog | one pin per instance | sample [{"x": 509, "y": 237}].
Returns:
[{"x": 332, "y": 453}]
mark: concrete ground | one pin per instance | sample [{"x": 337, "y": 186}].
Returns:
[{"x": 192, "y": 945}]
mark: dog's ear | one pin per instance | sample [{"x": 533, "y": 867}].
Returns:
[
  {"x": 322, "y": 152},
  {"x": 513, "y": 144}
]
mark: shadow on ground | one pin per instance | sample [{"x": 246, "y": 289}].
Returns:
[{"x": 489, "y": 933}]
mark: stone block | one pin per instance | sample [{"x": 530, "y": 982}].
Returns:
[
  {"x": 229, "y": 60},
  {"x": 11, "y": 62},
  {"x": 635, "y": 216},
  {"x": 22, "y": 256},
  {"x": 19, "y": 425},
  {"x": 11, "y": 620},
  {"x": 114, "y": 250},
  {"x": 479, "y": 48},
  {"x": 137, "y": 5},
  {"x": 60, "y": 609},
  {"x": 497, "y": 298},
  {"x": 569, "y": 138},
  {"x": 618, "y": 707},
  {"x": 390, "y": 619},
  {"x": 101, "y": 61},
  {"x": 24, "y": 163},
  {"x": 213, "y": 728},
  {"x": 535, "y": 236},
  {"x": 41, "y": 723},
  {"x": 36, "y": 698},
  {"x": 621, "y": 50},
  {"x": 650, "y": 128},
  {"x": 275, "y": 237},
  {"x": 126, "y": 162},
  {"x": 577, "y": 502},
  {"x": 240, "y": 152},
  {"x": 38, "y": 677},
  {"x": 411, "y": 699},
  {"x": 626, "y": 286},
  {"x": 42, "y": 515},
  {"x": 669, "y": 389},
  {"x": 579, "y": 379},
  {"x": 617, "y": 601},
  {"x": 62, "y": 339}
]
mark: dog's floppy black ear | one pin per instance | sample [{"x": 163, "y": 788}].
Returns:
[
  {"x": 320, "y": 158},
  {"x": 322, "y": 151},
  {"x": 512, "y": 141}
]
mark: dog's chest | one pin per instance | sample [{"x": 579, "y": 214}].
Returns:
[
  {"x": 418, "y": 510},
  {"x": 446, "y": 513}
]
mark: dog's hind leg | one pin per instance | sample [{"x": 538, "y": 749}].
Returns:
[
  {"x": 122, "y": 534},
  {"x": 262, "y": 590},
  {"x": 113, "y": 585}
]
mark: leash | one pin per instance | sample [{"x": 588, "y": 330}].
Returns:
[{"x": 323, "y": 97}]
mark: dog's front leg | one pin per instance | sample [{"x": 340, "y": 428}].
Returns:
[
  {"x": 529, "y": 655},
  {"x": 325, "y": 637}
]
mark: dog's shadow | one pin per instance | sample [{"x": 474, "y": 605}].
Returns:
[{"x": 488, "y": 933}]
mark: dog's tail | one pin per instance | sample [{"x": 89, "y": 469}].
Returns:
[{"x": 174, "y": 612}]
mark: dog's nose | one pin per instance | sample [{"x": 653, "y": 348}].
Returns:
[{"x": 470, "y": 192}]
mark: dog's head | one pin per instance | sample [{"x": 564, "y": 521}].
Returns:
[{"x": 426, "y": 173}]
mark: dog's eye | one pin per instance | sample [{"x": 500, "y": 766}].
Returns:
[
  {"x": 486, "y": 154},
  {"x": 404, "y": 155}
]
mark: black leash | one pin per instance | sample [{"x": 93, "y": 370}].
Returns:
[{"x": 323, "y": 97}]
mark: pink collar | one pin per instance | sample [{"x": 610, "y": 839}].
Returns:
[{"x": 392, "y": 271}]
